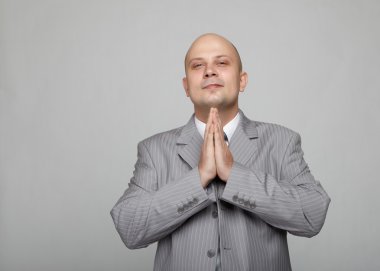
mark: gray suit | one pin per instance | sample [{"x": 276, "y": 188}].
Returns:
[{"x": 270, "y": 192}]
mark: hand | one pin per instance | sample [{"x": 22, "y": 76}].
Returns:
[
  {"x": 223, "y": 155},
  {"x": 216, "y": 158},
  {"x": 206, "y": 166}
]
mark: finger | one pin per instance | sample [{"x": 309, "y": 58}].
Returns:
[
  {"x": 218, "y": 136},
  {"x": 208, "y": 124},
  {"x": 218, "y": 125},
  {"x": 214, "y": 117},
  {"x": 214, "y": 114},
  {"x": 208, "y": 143},
  {"x": 210, "y": 136},
  {"x": 218, "y": 119}
]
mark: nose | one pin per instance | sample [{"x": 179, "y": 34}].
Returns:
[{"x": 210, "y": 71}]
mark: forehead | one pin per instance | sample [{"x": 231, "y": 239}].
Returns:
[{"x": 210, "y": 46}]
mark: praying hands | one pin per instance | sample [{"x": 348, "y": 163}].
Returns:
[{"x": 216, "y": 158}]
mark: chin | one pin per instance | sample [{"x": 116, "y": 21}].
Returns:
[
  {"x": 214, "y": 102},
  {"x": 216, "y": 105}
]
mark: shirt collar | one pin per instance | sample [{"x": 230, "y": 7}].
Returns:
[{"x": 229, "y": 128}]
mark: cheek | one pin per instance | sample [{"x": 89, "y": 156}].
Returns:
[
  {"x": 193, "y": 81},
  {"x": 233, "y": 81}
]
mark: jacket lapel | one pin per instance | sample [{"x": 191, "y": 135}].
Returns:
[
  {"x": 241, "y": 144},
  {"x": 190, "y": 143}
]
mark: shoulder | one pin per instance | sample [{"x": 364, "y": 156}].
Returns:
[
  {"x": 275, "y": 140},
  {"x": 266, "y": 129},
  {"x": 271, "y": 134},
  {"x": 163, "y": 138}
]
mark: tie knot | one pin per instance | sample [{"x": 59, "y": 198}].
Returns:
[{"x": 225, "y": 137}]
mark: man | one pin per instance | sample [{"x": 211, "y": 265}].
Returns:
[{"x": 221, "y": 192}]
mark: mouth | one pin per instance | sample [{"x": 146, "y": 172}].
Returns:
[{"x": 212, "y": 84}]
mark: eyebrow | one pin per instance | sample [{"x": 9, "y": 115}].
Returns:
[{"x": 201, "y": 58}]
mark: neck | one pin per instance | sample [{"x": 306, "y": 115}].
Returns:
[{"x": 226, "y": 115}]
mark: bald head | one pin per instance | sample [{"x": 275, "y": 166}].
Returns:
[
  {"x": 208, "y": 38},
  {"x": 214, "y": 76}
]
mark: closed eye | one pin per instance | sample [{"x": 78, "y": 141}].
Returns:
[{"x": 196, "y": 65}]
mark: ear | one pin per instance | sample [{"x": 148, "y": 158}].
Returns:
[
  {"x": 185, "y": 86},
  {"x": 243, "y": 81}
]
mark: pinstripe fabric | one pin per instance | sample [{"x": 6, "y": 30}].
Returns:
[{"x": 270, "y": 192}]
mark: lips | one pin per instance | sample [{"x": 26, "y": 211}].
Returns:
[{"x": 211, "y": 84}]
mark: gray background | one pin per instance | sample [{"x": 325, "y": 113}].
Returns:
[{"x": 81, "y": 82}]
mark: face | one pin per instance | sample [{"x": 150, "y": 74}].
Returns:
[{"x": 213, "y": 76}]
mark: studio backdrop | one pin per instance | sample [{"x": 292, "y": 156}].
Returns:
[{"x": 82, "y": 82}]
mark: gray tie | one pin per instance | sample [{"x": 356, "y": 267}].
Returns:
[{"x": 225, "y": 138}]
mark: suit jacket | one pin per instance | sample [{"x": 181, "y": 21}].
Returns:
[{"x": 269, "y": 193}]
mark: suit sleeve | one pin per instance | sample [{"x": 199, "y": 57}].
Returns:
[
  {"x": 145, "y": 214},
  {"x": 296, "y": 203}
]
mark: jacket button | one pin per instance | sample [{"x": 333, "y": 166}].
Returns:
[
  {"x": 180, "y": 209},
  {"x": 215, "y": 214},
  {"x": 235, "y": 198},
  {"x": 211, "y": 253},
  {"x": 252, "y": 204}
]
